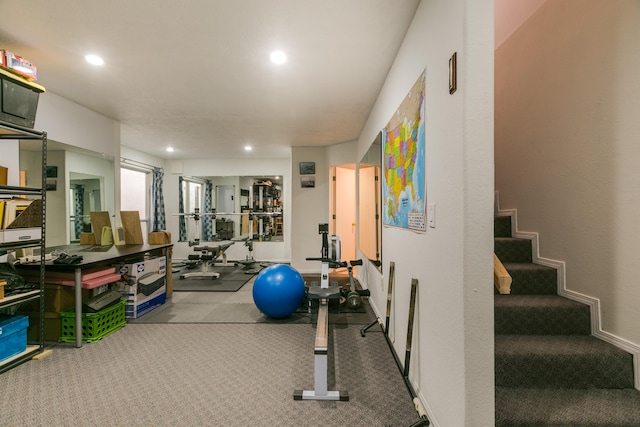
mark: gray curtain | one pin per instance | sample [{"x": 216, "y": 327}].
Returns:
[
  {"x": 158, "y": 220},
  {"x": 207, "y": 229},
  {"x": 78, "y": 223},
  {"x": 182, "y": 223}
]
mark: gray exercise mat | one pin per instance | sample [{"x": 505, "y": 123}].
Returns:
[{"x": 231, "y": 279}]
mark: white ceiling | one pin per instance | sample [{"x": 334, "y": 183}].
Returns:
[{"x": 196, "y": 75}]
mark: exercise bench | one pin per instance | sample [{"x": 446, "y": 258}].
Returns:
[{"x": 208, "y": 255}]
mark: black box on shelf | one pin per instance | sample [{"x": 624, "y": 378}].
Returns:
[{"x": 18, "y": 99}]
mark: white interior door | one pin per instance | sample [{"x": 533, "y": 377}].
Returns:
[
  {"x": 225, "y": 198},
  {"x": 344, "y": 210}
]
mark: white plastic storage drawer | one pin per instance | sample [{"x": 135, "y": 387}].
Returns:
[{"x": 10, "y": 235}]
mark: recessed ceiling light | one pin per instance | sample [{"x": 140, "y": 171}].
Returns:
[
  {"x": 170, "y": 150},
  {"x": 94, "y": 60},
  {"x": 247, "y": 148},
  {"x": 278, "y": 57}
]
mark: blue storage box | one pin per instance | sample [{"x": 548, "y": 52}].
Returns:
[{"x": 13, "y": 335}]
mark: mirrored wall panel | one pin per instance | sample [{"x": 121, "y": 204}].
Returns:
[
  {"x": 78, "y": 181},
  {"x": 217, "y": 208}
]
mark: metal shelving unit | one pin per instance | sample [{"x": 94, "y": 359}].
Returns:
[{"x": 10, "y": 131}]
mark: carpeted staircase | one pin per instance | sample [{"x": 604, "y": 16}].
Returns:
[{"x": 549, "y": 370}]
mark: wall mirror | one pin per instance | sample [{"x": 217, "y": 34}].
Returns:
[
  {"x": 244, "y": 206},
  {"x": 78, "y": 181},
  {"x": 85, "y": 195},
  {"x": 369, "y": 207}
]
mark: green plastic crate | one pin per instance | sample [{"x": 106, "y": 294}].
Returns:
[{"x": 95, "y": 326}]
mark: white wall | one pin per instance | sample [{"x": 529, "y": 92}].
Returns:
[
  {"x": 73, "y": 124},
  {"x": 146, "y": 160},
  {"x": 76, "y": 126},
  {"x": 58, "y": 212},
  {"x": 567, "y": 152},
  {"x": 342, "y": 154},
  {"x": 11, "y": 161},
  {"x": 57, "y": 230},
  {"x": 68, "y": 123},
  {"x": 452, "y": 354},
  {"x": 311, "y": 207},
  {"x": 138, "y": 156}
]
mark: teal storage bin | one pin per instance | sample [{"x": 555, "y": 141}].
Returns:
[{"x": 13, "y": 335}]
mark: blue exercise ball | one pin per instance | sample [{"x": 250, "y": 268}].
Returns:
[{"x": 278, "y": 291}]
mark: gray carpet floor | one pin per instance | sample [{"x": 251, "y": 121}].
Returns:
[{"x": 209, "y": 359}]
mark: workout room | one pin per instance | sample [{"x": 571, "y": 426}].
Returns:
[
  {"x": 282, "y": 213},
  {"x": 207, "y": 144}
]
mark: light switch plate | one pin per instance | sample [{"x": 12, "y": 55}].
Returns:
[{"x": 431, "y": 215}]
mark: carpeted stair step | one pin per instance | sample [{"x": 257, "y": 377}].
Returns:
[
  {"x": 540, "y": 315},
  {"x": 560, "y": 361},
  {"x": 567, "y": 408},
  {"x": 502, "y": 226},
  {"x": 532, "y": 279},
  {"x": 512, "y": 249},
  {"x": 549, "y": 370}
]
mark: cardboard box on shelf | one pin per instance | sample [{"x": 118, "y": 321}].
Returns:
[
  {"x": 59, "y": 288},
  {"x": 22, "y": 220},
  {"x": 52, "y": 325},
  {"x": 18, "y": 64},
  {"x": 4, "y": 175},
  {"x": 61, "y": 297},
  {"x": 13, "y": 208},
  {"x": 23, "y": 213}
]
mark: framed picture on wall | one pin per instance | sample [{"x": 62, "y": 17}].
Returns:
[
  {"x": 52, "y": 171},
  {"x": 307, "y": 168},
  {"x": 308, "y": 181}
]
